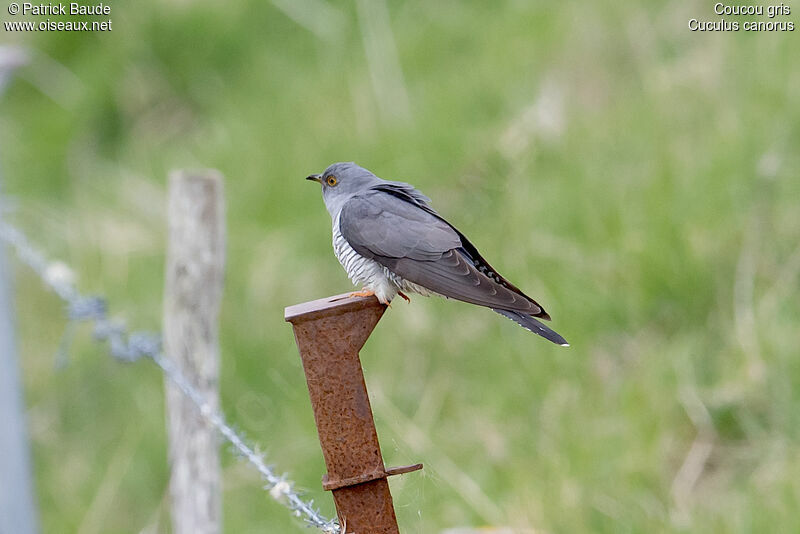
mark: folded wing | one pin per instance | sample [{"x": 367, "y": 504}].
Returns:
[{"x": 414, "y": 242}]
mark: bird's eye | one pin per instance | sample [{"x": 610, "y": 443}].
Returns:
[{"x": 331, "y": 180}]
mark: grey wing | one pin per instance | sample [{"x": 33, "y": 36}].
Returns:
[{"x": 421, "y": 247}]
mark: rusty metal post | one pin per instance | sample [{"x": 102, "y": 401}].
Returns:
[{"x": 329, "y": 333}]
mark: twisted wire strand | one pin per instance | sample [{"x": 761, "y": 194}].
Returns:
[{"x": 128, "y": 346}]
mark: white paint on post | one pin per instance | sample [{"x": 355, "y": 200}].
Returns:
[{"x": 194, "y": 277}]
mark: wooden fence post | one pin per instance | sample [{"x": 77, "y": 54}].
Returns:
[
  {"x": 329, "y": 333},
  {"x": 194, "y": 279}
]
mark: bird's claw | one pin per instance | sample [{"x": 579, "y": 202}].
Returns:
[{"x": 407, "y": 299}]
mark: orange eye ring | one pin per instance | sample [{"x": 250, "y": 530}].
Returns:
[{"x": 331, "y": 180}]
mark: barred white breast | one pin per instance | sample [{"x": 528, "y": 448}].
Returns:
[{"x": 369, "y": 273}]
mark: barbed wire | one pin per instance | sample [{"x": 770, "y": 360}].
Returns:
[{"x": 131, "y": 346}]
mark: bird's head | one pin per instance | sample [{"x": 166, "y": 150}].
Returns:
[{"x": 340, "y": 182}]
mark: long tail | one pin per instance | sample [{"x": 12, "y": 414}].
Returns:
[{"x": 529, "y": 323}]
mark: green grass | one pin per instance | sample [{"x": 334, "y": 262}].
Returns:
[{"x": 640, "y": 180}]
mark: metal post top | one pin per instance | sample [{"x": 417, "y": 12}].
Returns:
[{"x": 326, "y": 307}]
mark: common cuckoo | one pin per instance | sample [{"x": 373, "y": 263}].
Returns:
[{"x": 390, "y": 240}]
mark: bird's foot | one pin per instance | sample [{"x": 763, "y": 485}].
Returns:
[
  {"x": 363, "y": 293},
  {"x": 407, "y": 299}
]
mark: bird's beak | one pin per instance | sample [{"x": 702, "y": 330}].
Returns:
[{"x": 315, "y": 177}]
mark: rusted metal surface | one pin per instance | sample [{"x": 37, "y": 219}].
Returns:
[{"x": 329, "y": 333}]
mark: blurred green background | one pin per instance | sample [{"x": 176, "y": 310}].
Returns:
[{"x": 638, "y": 179}]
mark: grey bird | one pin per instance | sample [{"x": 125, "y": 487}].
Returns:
[{"x": 390, "y": 240}]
